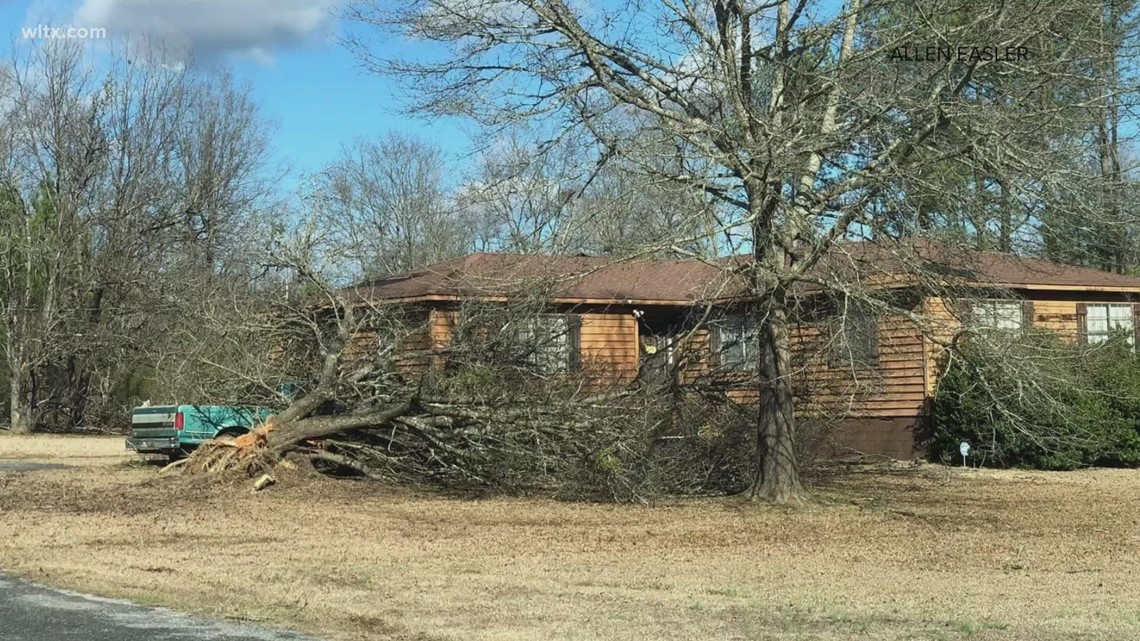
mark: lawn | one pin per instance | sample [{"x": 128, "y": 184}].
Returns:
[{"x": 899, "y": 552}]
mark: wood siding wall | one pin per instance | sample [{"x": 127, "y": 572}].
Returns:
[
  {"x": 696, "y": 357},
  {"x": 609, "y": 348},
  {"x": 1057, "y": 315},
  {"x": 824, "y": 385},
  {"x": 943, "y": 325},
  {"x": 831, "y": 386},
  {"x": 897, "y": 388},
  {"x": 413, "y": 355},
  {"x": 441, "y": 328}
]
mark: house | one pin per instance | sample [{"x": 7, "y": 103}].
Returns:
[{"x": 872, "y": 368}]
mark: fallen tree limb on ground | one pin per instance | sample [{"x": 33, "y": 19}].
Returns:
[
  {"x": 619, "y": 450},
  {"x": 478, "y": 411}
]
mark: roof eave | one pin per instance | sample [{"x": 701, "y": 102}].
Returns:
[{"x": 576, "y": 300}]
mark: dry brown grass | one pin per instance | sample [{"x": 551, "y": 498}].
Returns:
[
  {"x": 65, "y": 450},
  {"x": 928, "y": 553}
]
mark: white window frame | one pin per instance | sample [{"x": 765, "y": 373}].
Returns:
[
  {"x": 549, "y": 342},
  {"x": 1108, "y": 317},
  {"x": 1000, "y": 315}
]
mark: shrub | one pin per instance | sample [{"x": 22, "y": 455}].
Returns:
[{"x": 1035, "y": 401}]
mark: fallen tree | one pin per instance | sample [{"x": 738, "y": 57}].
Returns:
[
  {"x": 379, "y": 398},
  {"x": 616, "y": 447}
]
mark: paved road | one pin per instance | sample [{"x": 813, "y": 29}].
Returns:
[{"x": 30, "y": 612}]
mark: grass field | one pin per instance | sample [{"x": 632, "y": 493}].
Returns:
[{"x": 888, "y": 553}]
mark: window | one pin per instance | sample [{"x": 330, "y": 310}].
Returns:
[
  {"x": 658, "y": 357},
  {"x": 551, "y": 342},
  {"x": 735, "y": 344},
  {"x": 1102, "y": 320},
  {"x": 857, "y": 338},
  {"x": 998, "y": 314}
]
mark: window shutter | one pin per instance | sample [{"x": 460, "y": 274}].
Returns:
[
  {"x": 1027, "y": 315},
  {"x": 1135, "y": 324},
  {"x": 574, "y": 338},
  {"x": 1082, "y": 323},
  {"x": 714, "y": 346},
  {"x": 966, "y": 314},
  {"x": 873, "y": 341}
]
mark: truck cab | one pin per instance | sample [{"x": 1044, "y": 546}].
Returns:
[{"x": 176, "y": 429}]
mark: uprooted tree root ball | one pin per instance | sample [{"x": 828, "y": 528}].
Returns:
[{"x": 248, "y": 453}]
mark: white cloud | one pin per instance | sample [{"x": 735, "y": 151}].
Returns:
[{"x": 209, "y": 29}]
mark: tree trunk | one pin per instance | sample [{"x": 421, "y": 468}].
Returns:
[
  {"x": 1005, "y": 229},
  {"x": 79, "y": 386},
  {"x": 19, "y": 412},
  {"x": 777, "y": 471},
  {"x": 1108, "y": 144},
  {"x": 289, "y": 435}
]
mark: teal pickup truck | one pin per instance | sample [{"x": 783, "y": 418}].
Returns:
[{"x": 174, "y": 430}]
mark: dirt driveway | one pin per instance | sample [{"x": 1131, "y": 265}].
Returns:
[{"x": 926, "y": 553}]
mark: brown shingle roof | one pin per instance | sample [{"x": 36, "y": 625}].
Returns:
[
  {"x": 563, "y": 277},
  {"x": 929, "y": 260},
  {"x": 603, "y": 279}
]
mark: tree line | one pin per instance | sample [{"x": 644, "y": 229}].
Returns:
[{"x": 134, "y": 196}]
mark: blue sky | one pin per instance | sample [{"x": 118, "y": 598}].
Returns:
[
  {"x": 310, "y": 87},
  {"x": 320, "y": 100}
]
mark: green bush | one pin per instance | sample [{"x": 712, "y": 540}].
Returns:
[{"x": 1038, "y": 402}]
